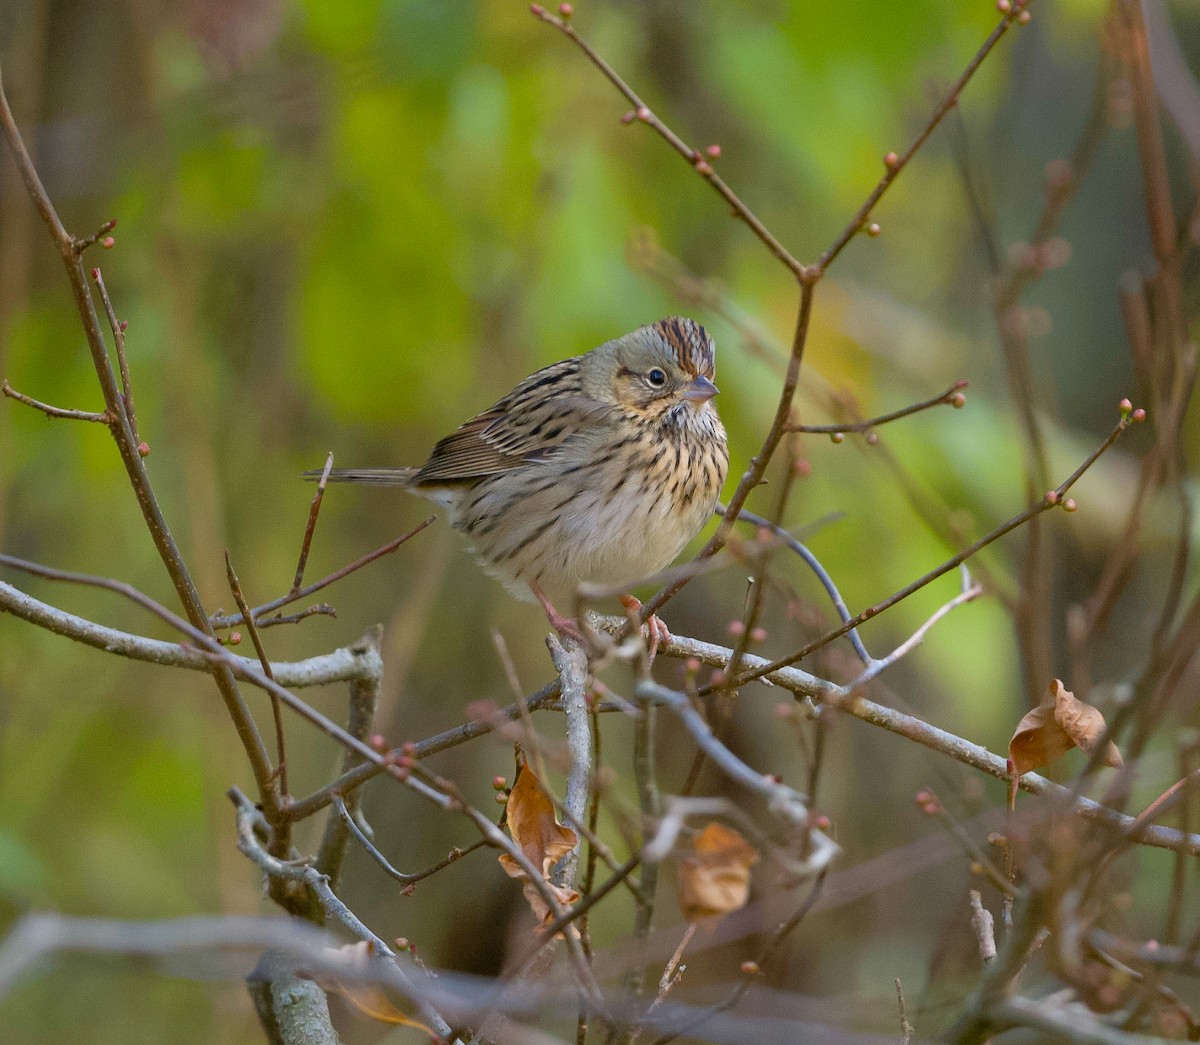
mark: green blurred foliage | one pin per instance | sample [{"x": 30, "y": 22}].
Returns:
[{"x": 352, "y": 225}]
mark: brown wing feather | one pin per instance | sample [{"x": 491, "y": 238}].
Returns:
[{"x": 527, "y": 425}]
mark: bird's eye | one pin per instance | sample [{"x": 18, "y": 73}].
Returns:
[{"x": 657, "y": 378}]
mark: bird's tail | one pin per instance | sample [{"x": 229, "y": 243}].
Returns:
[{"x": 367, "y": 476}]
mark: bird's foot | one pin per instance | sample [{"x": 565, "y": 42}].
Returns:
[
  {"x": 567, "y": 627},
  {"x": 658, "y": 632}
]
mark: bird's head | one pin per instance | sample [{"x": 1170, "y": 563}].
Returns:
[{"x": 655, "y": 368}]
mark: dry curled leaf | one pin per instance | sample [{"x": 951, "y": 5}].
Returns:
[
  {"x": 1062, "y": 721},
  {"x": 367, "y": 998},
  {"x": 714, "y": 878},
  {"x": 539, "y": 835}
]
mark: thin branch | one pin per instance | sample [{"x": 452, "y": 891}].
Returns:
[
  {"x": 219, "y": 623},
  {"x": 951, "y": 397},
  {"x": 896, "y": 163},
  {"x": 906, "y": 1028},
  {"x": 341, "y": 665},
  {"x": 217, "y": 654},
  {"x": 971, "y": 591},
  {"x": 235, "y": 587},
  {"x": 545, "y": 698},
  {"x": 318, "y": 883},
  {"x": 36, "y": 937},
  {"x": 570, "y": 660},
  {"x": 702, "y": 166},
  {"x": 311, "y": 526},
  {"x": 810, "y": 687},
  {"x": 619, "y": 876},
  {"x": 360, "y": 720},
  {"x": 127, "y": 446},
  {"x": 101, "y": 233},
  {"x": 1052, "y": 499},
  {"x": 817, "y": 568},
  {"x": 751, "y": 972},
  {"x": 118, "y": 332},
  {"x": 55, "y": 411},
  {"x": 373, "y": 852}
]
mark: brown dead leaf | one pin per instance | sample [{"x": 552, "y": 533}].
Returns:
[
  {"x": 536, "y": 830},
  {"x": 369, "y": 999},
  {"x": 714, "y": 878},
  {"x": 1062, "y": 721}
]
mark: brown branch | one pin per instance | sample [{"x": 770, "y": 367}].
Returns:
[
  {"x": 810, "y": 687},
  {"x": 235, "y": 587},
  {"x": 1054, "y": 498},
  {"x": 100, "y": 234},
  {"x": 319, "y": 799},
  {"x": 54, "y": 411},
  {"x": 118, "y": 332},
  {"x": 806, "y": 275},
  {"x": 127, "y": 446},
  {"x": 895, "y": 164},
  {"x": 699, "y": 163},
  {"x": 220, "y": 623},
  {"x": 752, "y": 970},
  {"x": 311, "y": 525},
  {"x": 951, "y": 397},
  {"x": 455, "y": 854}
]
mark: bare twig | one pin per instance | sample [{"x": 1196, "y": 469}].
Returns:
[
  {"x": 970, "y": 591},
  {"x": 951, "y": 397},
  {"x": 983, "y": 926},
  {"x": 751, "y": 972},
  {"x": 360, "y": 719},
  {"x": 810, "y": 687},
  {"x": 373, "y": 852},
  {"x": 894, "y": 164},
  {"x": 220, "y": 623},
  {"x": 1052, "y": 499},
  {"x": 118, "y": 332},
  {"x": 36, "y": 937},
  {"x": 906, "y": 1028},
  {"x": 55, "y": 411},
  {"x": 698, "y": 162},
  {"x": 127, "y": 446},
  {"x": 339, "y": 666},
  {"x": 311, "y": 526},
  {"x": 570, "y": 660},
  {"x": 87, "y": 241},
  {"x": 318, "y": 884},
  {"x": 235, "y": 588}
]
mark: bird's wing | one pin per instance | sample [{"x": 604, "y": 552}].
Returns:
[{"x": 533, "y": 422}]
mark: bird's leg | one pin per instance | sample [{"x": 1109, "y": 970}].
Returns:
[
  {"x": 568, "y": 627},
  {"x": 658, "y": 631}
]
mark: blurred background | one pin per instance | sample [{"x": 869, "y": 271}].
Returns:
[{"x": 350, "y": 226}]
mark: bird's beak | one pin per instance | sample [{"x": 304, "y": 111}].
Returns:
[{"x": 699, "y": 391}]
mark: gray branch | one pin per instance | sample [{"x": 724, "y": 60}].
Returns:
[{"x": 359, "y": 661}]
